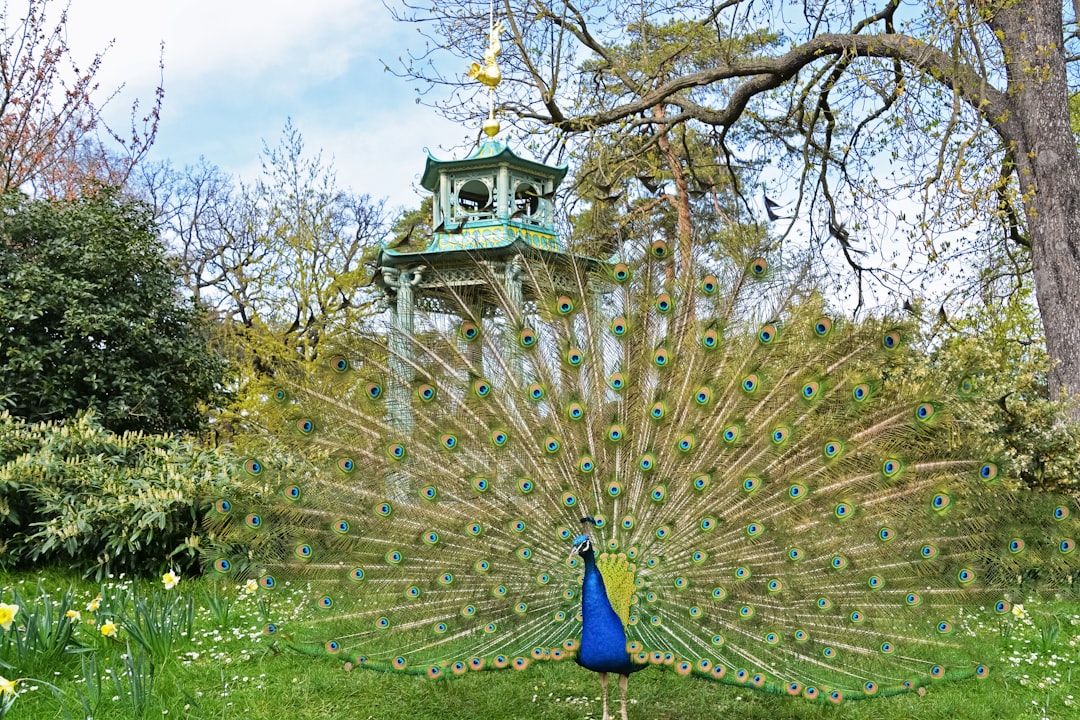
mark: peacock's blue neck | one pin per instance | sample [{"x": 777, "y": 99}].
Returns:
[{"x": 603, "y": 637}]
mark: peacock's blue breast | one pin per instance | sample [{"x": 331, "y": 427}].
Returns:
[{"x": 603, "y": 637}]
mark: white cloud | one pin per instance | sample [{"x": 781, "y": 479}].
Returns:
[{"x": 208, "y": 39}]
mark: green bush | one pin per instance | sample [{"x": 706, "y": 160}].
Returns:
[
  {"x": 73, "y": 492},
  {"x": 1030, "y": 435}
]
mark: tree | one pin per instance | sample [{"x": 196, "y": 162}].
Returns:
[
  {"x": 52, "y": 137},
  {"x": 959, "y": 105},
  {"x": 92, "y": 318},
  {"x": 280, "y": 259}
]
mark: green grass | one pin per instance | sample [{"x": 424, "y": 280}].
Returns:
[{"x": 226, "y": 668}]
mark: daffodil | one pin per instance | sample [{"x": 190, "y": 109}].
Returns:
[
  {"x": 7, "y": 687},
  {"x": 73, "y": 615},
  {"x": 7, "y": 614},
  {"x": 94, "y": 604},
  {"x": 170, "y": 580},
  {"x": 1018, "y": 610},
  {"x": 251, "y": 585},
  {"x": 108, "y": 629}
]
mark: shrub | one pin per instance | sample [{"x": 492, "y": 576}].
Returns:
[{"x": 75, "y": 492}]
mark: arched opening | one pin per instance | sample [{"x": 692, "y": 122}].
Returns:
[
  {"x": 526, "y": 200},
  {"x": 474, "y": 197}
]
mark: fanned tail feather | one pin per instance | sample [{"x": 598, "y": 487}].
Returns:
[{"x": 803, "y": 509}]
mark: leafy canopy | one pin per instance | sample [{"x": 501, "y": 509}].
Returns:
[{"x": 91, "y": 318}]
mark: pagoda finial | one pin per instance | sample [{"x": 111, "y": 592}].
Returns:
[{"x": 489, "y": 73}]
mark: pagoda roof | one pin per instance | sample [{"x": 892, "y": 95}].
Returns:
[{"x": 491, "y": 153}]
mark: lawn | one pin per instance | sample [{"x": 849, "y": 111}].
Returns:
[{"x": 198, "y": 650}]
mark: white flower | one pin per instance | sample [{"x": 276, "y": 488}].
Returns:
[
  {"x": 73, "y": 615},
  {"x": 94, "y": 604},
  {"x": 1018, "y": 610},
  {"x": 170, "y": 580},
  {"x": 251, "y": 585},
  {"x": 7, "y": 615}
]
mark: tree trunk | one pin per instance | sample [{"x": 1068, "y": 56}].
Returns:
[{"x": 1048, "y": 169}]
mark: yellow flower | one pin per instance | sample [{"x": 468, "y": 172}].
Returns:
[
  {"x": 170, "y": 580},
  {"x": 7, "y": 614},
  {"x": 7, "y": 687},
  {"x": 94, "y": 604},
  {"x": 1018, "y": 610},
  {"x": 108, "y": 628},
  {"x": 73, "y": 615}
]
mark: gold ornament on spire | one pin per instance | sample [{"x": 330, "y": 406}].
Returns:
[{"x": 490, "y": 74}]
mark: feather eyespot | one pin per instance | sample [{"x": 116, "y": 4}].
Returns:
[
  {"x": 619, "y": 327},
  {"x": 481, "y": 388},
  {"x": 617, "y": 381},
  {"x": 574, "y": 356},
  {"x": 620, "y": 273},
  {"x": 564, "y": 305},
  {"x": 891, "y": 340},
  {"x": 469, "y": 331},
  {"x": 759, "y": 266},
  {"x": 340, "y": 363},
  {"x": 710, "y": 339},
  {"x": 823, "y": 326},
  {"x": 305, "y": 426},
  {"x": 659, "y": 249},
  {"x": 253, "y": 467},
  {"x": 709, "y": 284},
  {"x": 426, "y": 392},
  {"x": 527, "y": 337},
  {"x": 767, "y": 334},
  {"x": 663, "y": 303}
]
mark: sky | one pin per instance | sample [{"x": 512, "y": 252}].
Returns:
[{"x": 236, "y": 71}]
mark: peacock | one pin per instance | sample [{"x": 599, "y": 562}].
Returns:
[{"x": 641, "y": 463}]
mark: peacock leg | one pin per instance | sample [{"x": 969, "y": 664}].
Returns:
[
  {"x": 624, "y": 680},
  {"x": 603, "y": 687}
]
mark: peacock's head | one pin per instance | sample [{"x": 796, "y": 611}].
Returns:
[
  {"x": 583, "y": 543},
  {"x": 582, "y": 546}
]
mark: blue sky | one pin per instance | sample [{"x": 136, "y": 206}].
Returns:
[{"x": 236, "y": 70}]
